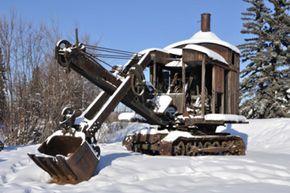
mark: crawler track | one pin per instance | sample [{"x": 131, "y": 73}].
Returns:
[{"x": 154, "y": 144}]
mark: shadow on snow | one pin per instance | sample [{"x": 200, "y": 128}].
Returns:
[{"x": 107, "y": 160}]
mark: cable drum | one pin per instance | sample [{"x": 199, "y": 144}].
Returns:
[{"x": 137, "y": 80}]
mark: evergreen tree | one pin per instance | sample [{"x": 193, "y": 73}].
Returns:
[{"x": 265, "y": 80}]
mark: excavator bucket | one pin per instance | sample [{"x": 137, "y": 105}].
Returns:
[{"x": 66, "y": 159}]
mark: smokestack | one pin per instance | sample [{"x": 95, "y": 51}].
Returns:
[{"x": 205, "y": 22}]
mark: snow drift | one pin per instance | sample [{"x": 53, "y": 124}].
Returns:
[{"x": 265, "y": 168}]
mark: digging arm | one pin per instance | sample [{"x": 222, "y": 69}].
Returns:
[{"x": 115, "y": 89}]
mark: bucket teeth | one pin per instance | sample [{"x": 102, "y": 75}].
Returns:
[
  {"x": 56, "y": 167},
  {"x": 72, "y": 162}
]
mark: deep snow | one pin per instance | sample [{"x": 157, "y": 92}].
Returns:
[{"x": 265, "y": 168}]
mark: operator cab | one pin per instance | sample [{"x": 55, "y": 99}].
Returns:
[{"x": 200, "y": 74}]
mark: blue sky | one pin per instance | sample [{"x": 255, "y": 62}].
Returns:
[{"x": 130, "y": 24}]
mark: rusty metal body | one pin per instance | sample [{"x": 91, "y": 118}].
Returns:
[{"x": 190, "y": 85}]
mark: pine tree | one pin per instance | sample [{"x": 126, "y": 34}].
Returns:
[
  {"x": 279, "y": 40},
  {"x": 265, "y": 80}
]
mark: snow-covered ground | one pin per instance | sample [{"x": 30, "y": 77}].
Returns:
[{"x": 265, "y": 168}]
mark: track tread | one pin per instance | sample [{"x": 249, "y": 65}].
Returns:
[{"x": 199, "y": 145}]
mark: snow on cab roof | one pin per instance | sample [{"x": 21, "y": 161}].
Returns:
[
  {"x": 204, "y": 37},
  {"x": 178, "y": 51},
  {"x": 175, "y": 51}
]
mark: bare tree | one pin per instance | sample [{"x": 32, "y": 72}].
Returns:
[
  {"x": 37, "y": 87},
  {"x": 2, "y": 92}
]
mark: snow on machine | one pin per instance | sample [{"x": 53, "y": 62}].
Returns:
[{"x": 193, "y": 87}]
